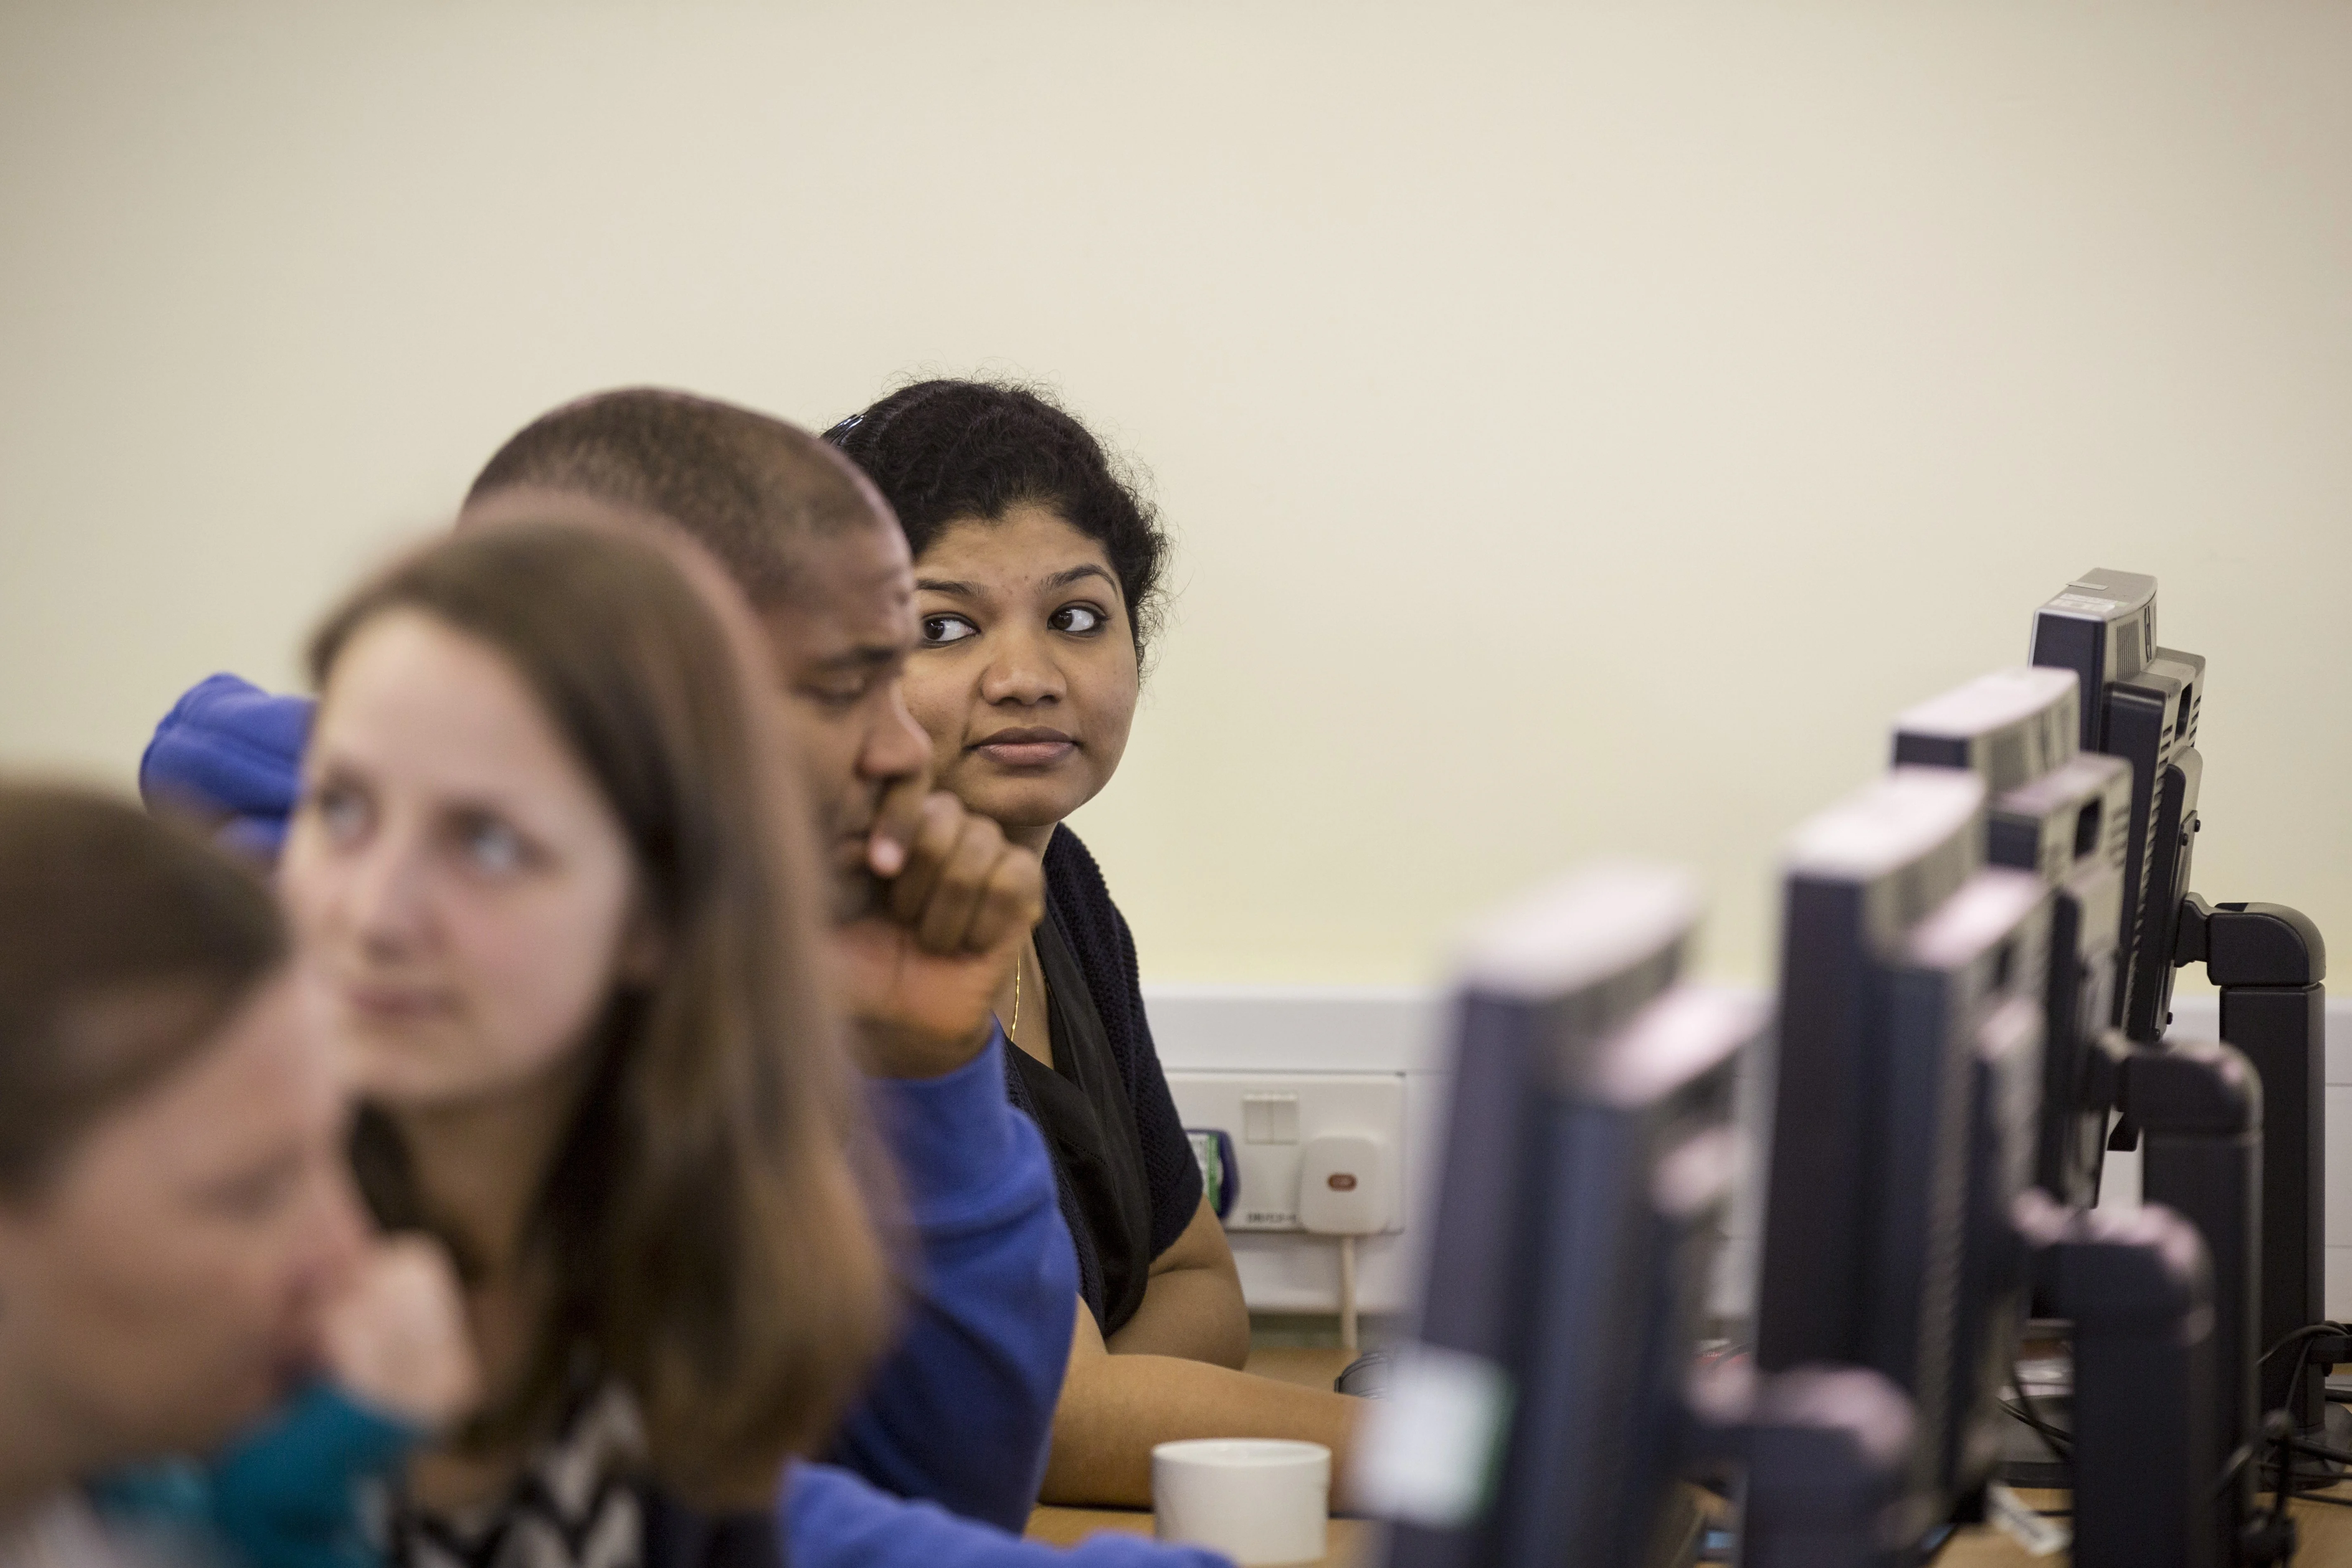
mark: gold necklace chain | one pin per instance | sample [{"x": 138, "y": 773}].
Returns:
[{"x": 1015, "y": 1028}]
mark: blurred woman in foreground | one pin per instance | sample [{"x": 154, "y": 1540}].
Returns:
[{"x": 180, "y": 1248}]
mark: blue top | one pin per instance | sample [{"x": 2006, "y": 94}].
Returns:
[
  {"x": 960, "y": 1414},
  {"x": 835, "y": 1520},
  {"x": 227, "y": 746}
]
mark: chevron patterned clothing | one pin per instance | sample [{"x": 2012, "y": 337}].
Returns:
[
  {"x": 573, "y": 1507},
  {"x": 582, "y": 1502}
]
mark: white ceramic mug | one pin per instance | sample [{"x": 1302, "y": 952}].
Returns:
[{"x": 1256, "y": 1500}]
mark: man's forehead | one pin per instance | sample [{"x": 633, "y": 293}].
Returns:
[
  {"x": 852, "y": 596},
  {"x": 541, "y": 503}
]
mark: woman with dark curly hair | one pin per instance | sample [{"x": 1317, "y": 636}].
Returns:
[{"x": 1039, "y": 577}]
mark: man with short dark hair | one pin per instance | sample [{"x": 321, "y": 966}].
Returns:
[{"x": 819, "y": 555}]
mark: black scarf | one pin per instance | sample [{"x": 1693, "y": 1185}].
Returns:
[{"x": 1095, "y": 935}]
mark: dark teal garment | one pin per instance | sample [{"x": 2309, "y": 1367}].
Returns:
[{"x": 287, "y": 1494}]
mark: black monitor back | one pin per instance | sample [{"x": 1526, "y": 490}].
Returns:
[
  {"x": 2064, "y": 814},
  {"x": 2008, "y": 727},
  {"x": 1906, "y": 1109},
  {"x": 1588, "y": 1163},
  {"x": 2140, "y": 703},
  {"x": 2071, "y": 826}
]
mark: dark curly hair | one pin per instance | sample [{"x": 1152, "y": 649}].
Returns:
[{"x": 941, "y": 451}]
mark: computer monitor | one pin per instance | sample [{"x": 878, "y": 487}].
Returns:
[
  {"x": 1539, "y": 1417},
  {"x": 2064, "y": 814},
  {"x": 1906, "y": 1113},
  {"x": 2143, "y": 704},
  {"x": 2140, "y": 703},
  {"x": 2008, "y": 728}
]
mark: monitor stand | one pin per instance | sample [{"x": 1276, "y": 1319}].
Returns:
[
  {"x": 1824, "y": 1456},
  {"x": 2141, "y": 1300},
  {"x": 2201, "y": 1119},
  {"x": 2268, "y": 961}
]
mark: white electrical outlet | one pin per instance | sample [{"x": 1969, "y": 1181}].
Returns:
[{"x": 1271, "y": 1116}]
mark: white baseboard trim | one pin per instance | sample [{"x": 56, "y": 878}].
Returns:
[{"x": 1404, "y": 1030}]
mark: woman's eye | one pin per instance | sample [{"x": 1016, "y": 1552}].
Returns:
[
  {"x": 940, "y": 630},
  {"x": 1080, "y": 618},
  {"x": 342, "y": 811},
  {"x": 491, "y": 846}
]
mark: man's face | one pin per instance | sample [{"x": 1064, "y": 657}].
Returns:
[{"x": 840, "y": 644}]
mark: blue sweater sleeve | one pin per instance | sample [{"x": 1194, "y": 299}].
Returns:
[
  {"x": 833, "y": 1520},
  {"x": 961, "y": 1412},
  {"x": 230, "y": 750}
]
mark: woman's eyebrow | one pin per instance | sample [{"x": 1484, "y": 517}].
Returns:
[
  {"x": 957, "y": 589},
  {"x": 1077, "y": 574}
]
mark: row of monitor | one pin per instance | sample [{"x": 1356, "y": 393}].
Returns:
[{"x": 1973, "y": 948}]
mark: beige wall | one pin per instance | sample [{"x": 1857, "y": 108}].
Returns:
[{"x": 1583, "y": 426}]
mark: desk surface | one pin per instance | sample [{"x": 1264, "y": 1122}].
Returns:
[{"x": 2326, "y": 1530}]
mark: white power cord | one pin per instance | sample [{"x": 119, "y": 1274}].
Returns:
[
  {"x": 1343, "y": 1191},
  {"x": 1348, "y": 1293}
]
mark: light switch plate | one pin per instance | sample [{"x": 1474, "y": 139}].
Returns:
[
  {"x": 1272, "y": 1115},
  {"x": 1269, "y": 1118}
]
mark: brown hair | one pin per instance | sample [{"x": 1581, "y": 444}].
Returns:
[
  {"x": 125, "y": 944},
  {"x": 708, "y": 1221}
]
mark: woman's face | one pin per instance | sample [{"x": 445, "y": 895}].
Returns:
[
  {"x": 164, "y": 1286},
  {"x": 1025, "y": 676},
  {"x": 461, "y": 891}
]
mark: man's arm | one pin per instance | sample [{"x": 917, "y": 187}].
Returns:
[
  {"x": 230, "y": 755},
  {"x": 833, "y": 1520},
  {"x": 961, "y": 1411}
]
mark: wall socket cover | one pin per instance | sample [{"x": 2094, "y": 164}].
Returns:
[
  {"x": 1343, "y": 1181},
  {"x": 1290, "y": 1111}
]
